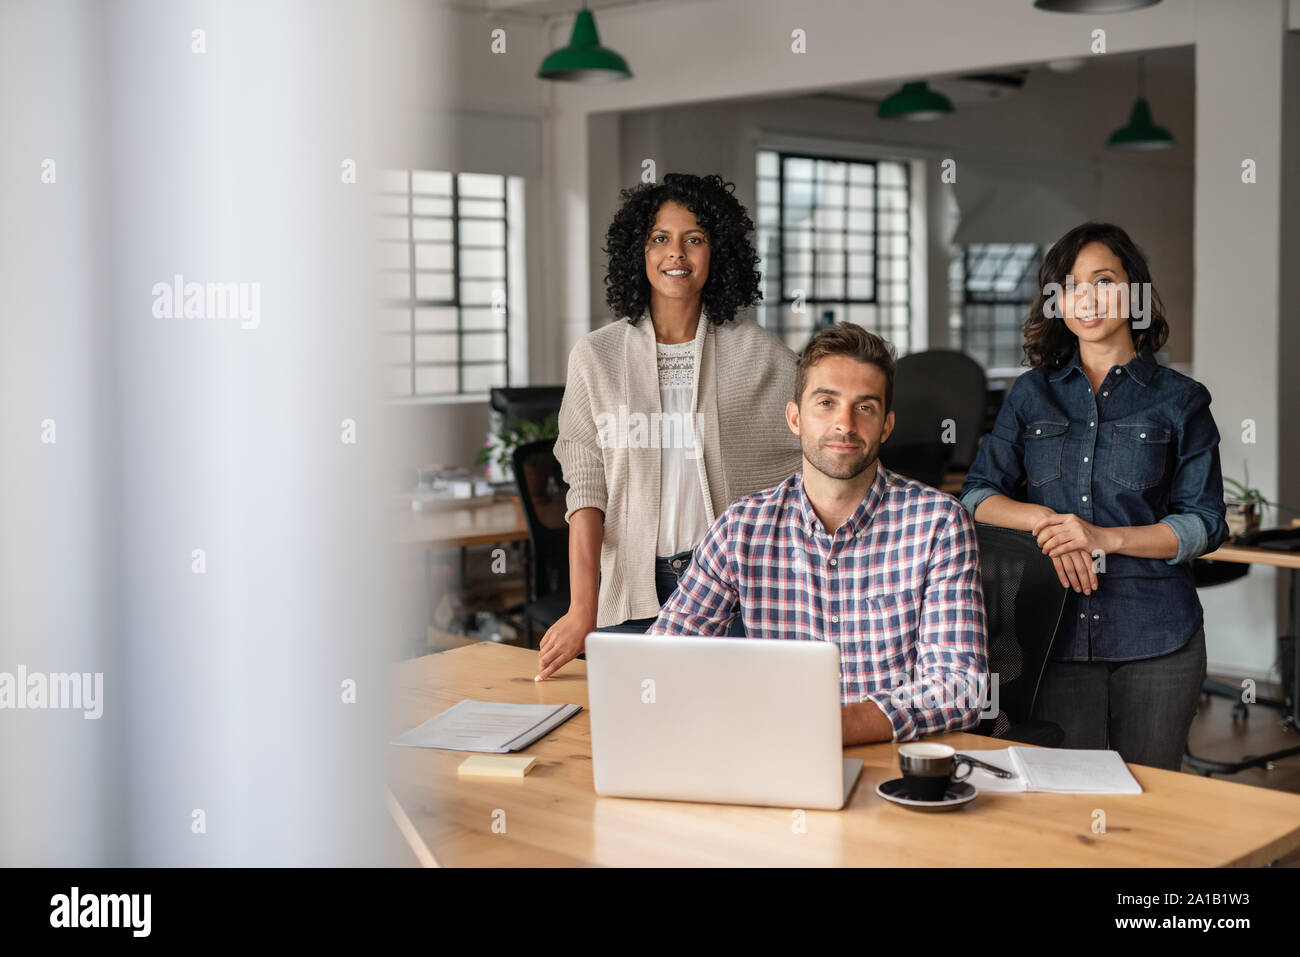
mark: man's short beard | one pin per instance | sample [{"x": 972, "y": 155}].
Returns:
[{"x": 844, "y": 472}]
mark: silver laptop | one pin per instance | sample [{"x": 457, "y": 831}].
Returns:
[{"x": 723, "y": 720}]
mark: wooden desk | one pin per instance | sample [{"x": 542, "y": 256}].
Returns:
[
  {"x": 460, "y": 527},
  {"x": 554, "y": 817},
  {"x": 1251, "y": 555}
]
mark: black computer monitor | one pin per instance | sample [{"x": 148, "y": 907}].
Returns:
[{"x": 529, "y": 403}]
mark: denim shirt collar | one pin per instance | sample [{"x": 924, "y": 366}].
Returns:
[
  {"x": 1141, "y": 368},
  {"x": 861, "y": 516}
]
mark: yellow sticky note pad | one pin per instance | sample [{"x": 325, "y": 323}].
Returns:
[{"x": 496, "y": 766}]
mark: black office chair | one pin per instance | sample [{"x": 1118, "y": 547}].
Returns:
[
  {"x": 540, "y": 482},
  {"x": 1208, "y": 574},
  {"x": 925, "y": 460},
  {"x": 936, "y": 385},
  {"x": 1023, "y": 602}
]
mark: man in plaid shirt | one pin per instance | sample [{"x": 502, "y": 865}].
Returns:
[{"x": 849, "y": 552}]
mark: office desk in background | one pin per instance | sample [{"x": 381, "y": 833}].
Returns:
[{"x": 554, "y": 817}]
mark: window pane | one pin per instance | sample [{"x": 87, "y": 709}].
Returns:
[
  {"x": 433, "y": 229},
  {"x": 482, "y": 207},
  {"x": 425, "y": 181},
  {"x": 433, "y": 256},
  {"x": 482, "y": 319},
  {"x": 482, "y": 185},
  {"x": 474, "y": 233},
  {"x": 435, "y": 380},
  {"x": 483, "y": 263},
  {"x": 477, "y": 293},
  {"x": 438, "y": 347},
  {"x": 480, "y": 347},
  {"x": 435, "y": 318},
  {"x": 435, "y": 286},
  {"x": 482, "y": 378},
  {"x": 430, "y": 206}
]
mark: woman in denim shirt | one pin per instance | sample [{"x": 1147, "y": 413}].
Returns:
[{"x": 1120, "y": 459}]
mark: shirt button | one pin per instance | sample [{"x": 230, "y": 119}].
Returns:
[
  {"x": 835, "y": 617},
  {"x": 1091, "y": 424},
  {"x": 1082, "y": 615},
  {"x": 1085, "y": 458},
  {"x": 677, "y": 563},
  {"x": 1085, "y": 498},
  {"x": 1105, "y": 393},
  {"x": 1142, "y": 436},
  {"x": 1038, "y": 431},
  {"x": 832, "y": 561},
  {"x": 1096, "y": 617}
]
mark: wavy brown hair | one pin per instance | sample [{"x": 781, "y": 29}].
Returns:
[{"x": 1048, "y": 341}]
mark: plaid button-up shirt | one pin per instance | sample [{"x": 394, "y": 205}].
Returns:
[{"x": 897, "y": 587}]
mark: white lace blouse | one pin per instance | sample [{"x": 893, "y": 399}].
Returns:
[{"x": 682, "y": 516}]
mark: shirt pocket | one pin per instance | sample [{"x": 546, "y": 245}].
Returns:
[
  {"x": 1044, "y": 445},
  {"x": 1139, "y": 455},
  {"x": 884, "y": 631}
]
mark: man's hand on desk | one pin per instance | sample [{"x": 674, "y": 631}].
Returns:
[
  {"x": 563, "y": 642},
  {"x": 864, "y": 723}
]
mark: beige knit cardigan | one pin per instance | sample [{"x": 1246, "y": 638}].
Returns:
[{"x": 743, "y": 378}]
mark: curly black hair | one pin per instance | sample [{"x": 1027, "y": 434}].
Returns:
[{"x": 733, "y": 281}]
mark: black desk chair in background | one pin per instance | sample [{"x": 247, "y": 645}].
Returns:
[
  {"x": 925, "y": 460},
  {"x": 933, "y": 386},
  {"x": 540, "y": 482},
  {"x": 1023, "y": 602}
]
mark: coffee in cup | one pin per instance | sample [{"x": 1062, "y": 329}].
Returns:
[{"x": 928, "y": 769}]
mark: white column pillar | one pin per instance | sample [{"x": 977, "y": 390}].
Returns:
[{"x": 1237, "y": 284}]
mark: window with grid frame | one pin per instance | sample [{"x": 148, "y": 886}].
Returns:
[
  {"x": 992, "y": 287},
  {"x": 450, "y": 271},
  {"x": 834, "y": 243}
]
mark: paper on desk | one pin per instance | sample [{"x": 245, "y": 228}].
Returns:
[
  {"x": 1074, "y": 771},
  {"x": 1054, "y": 770},
  {"x": 489, "y": 726},
  {"x": 982, "y": 780}
]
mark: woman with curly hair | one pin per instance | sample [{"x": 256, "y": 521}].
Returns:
[
  {"x": 1120, "y": 457},
  {"x": 670, "y": 413}
]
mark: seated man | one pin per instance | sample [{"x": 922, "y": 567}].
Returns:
[{"x": 849, "y": 552}]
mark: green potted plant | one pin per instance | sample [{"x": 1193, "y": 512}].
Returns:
[
  {"x": 1245, "y": 504},
  {"x": 500, "y": 450}
]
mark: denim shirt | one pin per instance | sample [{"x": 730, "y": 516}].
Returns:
[{"x": 1143, "y": 449}]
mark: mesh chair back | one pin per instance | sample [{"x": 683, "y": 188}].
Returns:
[
  {"x": 1023, "y": 601},
  {"x": 542, "y": 490}
]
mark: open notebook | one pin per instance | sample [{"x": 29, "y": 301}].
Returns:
[{"x": 1056, "y": 770}]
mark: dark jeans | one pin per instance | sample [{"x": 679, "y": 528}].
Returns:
[
  {"x": 1142, "y": 709},
  {"x": 667, "y": 571}
]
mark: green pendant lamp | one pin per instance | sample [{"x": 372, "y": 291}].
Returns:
[
  {"x": 1093, "y": 6},
  {"x": 915, "y": 101},
  {"x": 584, "y": 60},
  {"x": 1141, "y": 134}
]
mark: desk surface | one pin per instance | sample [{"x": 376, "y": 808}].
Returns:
[
  {"x": 554, "y": 817},
  {"x": 1251, "y": 555}
]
